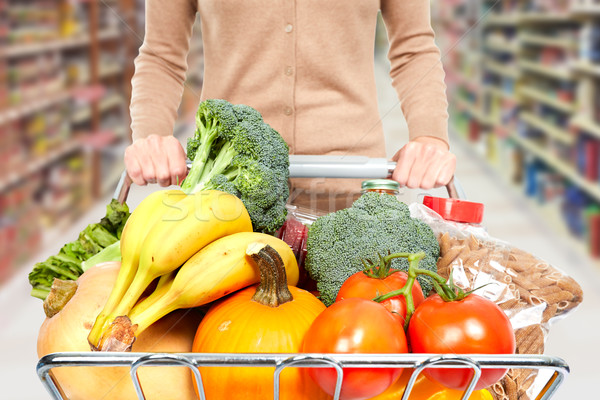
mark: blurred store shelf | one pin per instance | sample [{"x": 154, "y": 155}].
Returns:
[
  {"x": 550, "y": 129},
  {"x": 541, "y": 40},
  {"x": 22, "y": 50},
  {"x": 545, "y": 98},
  {"x": 14, "y": 176},
  {"x": 65, "y": 70},
  {"x": 586, "y": 124},
  {"x": 532, "y": 106},
  {"x": 587, "y": 67},
  {"x": 30, "y": 107},
  {"x": 553, "y": 71}
]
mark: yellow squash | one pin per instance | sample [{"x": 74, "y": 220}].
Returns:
[{"x": 425, "y": 389}]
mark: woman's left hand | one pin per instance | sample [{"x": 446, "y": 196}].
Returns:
[{"x": 424, "y": 163}]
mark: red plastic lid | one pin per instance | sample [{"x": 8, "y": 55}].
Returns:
[{"x": 455, "y": 209}]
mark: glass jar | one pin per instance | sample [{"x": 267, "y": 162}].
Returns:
[{"x": 387, "y": 186}]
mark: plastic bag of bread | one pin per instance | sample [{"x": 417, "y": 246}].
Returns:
[{"x": 531, "y": 292}]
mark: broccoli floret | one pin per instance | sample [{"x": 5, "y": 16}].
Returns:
[
  {"x": 375, "y": 224},
  {"x": 247, "y": 113},
  {"x": 235, "y": 151}
]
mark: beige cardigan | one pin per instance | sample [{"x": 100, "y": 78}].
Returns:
[{"x": 306, "y": 65}]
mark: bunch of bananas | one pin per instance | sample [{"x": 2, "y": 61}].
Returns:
[{"x": 194, "y": 247}]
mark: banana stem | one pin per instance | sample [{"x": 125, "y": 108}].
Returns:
[{"x": 126, "y": 275}]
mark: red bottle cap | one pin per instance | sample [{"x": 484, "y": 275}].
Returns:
[{"x": 455, "y": 209}]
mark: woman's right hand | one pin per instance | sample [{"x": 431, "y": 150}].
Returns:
[{"x": 156, "y": 159}]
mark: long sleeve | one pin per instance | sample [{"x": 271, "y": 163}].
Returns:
[
  {"x": 160, "y": 67},
  {"x": 416, "y": 69}
]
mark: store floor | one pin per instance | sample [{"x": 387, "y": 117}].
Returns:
[{"x": 507, "y": 217}]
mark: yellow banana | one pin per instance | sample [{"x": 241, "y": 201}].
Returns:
[
  {"x": 191, "y": 224},
  {"x": 218, "y": 269},
  {"x": 162, "y": 287},
  {"x": 143, "y": 217}
]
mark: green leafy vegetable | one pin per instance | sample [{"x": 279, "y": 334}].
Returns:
[
  {"x": 67, "y": 264},
  {"x": 110, "y": 253}
]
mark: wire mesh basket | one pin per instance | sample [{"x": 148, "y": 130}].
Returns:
[{"x": 557, "y": 369}]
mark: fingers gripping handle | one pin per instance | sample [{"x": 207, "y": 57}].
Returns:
[{"x": 307, "y": 166}]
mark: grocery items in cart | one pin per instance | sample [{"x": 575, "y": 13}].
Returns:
[
  {"x": 533, "y": 293},
  {"x": 67, "y": 331},
  {"x": 67, "y": 263},
  {"x": 200, "y": 248},
  {"x": 278, "y": 314}
]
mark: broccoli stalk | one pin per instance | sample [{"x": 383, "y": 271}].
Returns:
[
  {"x": 214, "y": 121},
  {"x": 235, "y": 151}
]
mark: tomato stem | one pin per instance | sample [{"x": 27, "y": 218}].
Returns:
[
  {"x": 447, "y": 291},
  {"x": 382, "y": 269}
]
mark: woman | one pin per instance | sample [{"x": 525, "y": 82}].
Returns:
[{"x": 308, "y": 67}]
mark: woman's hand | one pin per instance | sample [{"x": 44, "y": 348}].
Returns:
[
  {"x": 156, "y": 159},
  {"x": 424, "y": 163}
]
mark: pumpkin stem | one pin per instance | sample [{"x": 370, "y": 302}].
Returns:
[
  {"x": 60, "y": 294},
  {"x": 272, "y": 290}
]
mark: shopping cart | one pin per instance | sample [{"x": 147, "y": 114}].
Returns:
[{"x": 552, "y": 371}]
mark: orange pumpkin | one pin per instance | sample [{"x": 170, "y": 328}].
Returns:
[{"x": 268, "y": 318}]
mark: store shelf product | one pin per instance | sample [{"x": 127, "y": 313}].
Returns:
[
  {"x": 586, "y": 124},
  {"x": 561, "y": 72},
  {"x": 548, "y": 128},
  {"x": 560, "y": 166},
  {"x": 545, "y": 98}
]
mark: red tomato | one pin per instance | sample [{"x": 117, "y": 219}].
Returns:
[
  {"x": 355, "y": 325},
  {"x": 473, "y": 325},
  {"x": 365, "y": 287}
]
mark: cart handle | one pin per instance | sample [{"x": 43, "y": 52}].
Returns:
[{"x": 309, "y": 166}]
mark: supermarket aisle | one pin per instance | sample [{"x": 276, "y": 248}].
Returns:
[
  {"x": 507, "y": 218},
  {"x": 21, "y": 315}
]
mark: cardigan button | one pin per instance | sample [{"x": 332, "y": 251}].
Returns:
[
  {"x": 287, "y": 111},
  {"x": 289, "y": 28},
  {"x": 289, "y": 71}
]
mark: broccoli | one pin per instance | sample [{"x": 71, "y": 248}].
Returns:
[
  {"x": 374, "y": 225},
  {"x": 235, "y": 151},
  {"x": 246, "y": 113}
]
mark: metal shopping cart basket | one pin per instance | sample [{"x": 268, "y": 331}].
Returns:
[{"x": 552, "y": 370}]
